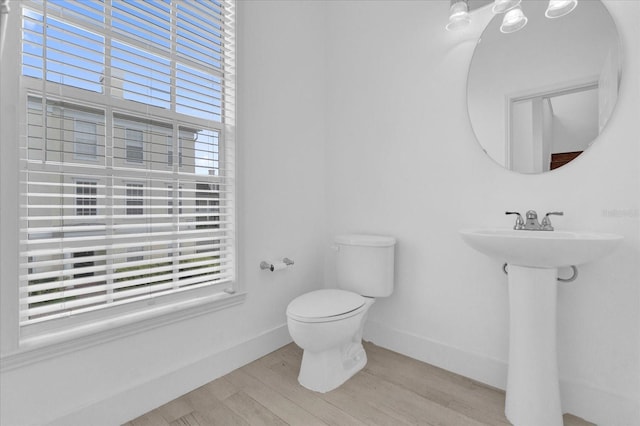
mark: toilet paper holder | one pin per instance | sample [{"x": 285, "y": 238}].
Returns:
[{"x": 264, "y": 265}]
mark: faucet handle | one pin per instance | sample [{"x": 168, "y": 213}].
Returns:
[
  {"x": 546, "y": 222},
  {"x": 519, "y": 221}
]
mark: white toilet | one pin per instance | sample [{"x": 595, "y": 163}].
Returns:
[{"x": 328, "y": 324}]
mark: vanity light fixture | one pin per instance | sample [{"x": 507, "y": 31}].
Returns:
[
  {"x": 558, "y": 8},
  {"x": 459, "y": 15},
  {"x": 513, "y": 21},
  {"x": 501, "y": 6}
]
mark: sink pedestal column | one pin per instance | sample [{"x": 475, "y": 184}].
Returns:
[{"x": 533, "y": 391}]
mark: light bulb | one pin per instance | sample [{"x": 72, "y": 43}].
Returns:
[
  {"x": 513, "y": 21},
  {"x": 558, "y": 8},
  {"x": 459, "y": 16},
  {"x": 501, "y": 6}
]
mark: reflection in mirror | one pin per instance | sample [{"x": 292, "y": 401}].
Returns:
[{"x": 540, "y": 96}]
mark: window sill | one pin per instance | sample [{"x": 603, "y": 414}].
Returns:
[{"x": 40, "y": 348}]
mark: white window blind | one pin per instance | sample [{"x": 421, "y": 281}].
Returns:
[{"x": 129, "y": 111}]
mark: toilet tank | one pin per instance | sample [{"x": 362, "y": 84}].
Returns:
[{"x": 364, "y": 264}]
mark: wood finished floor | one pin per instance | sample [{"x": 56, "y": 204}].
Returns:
[{"x": 391, "y": 390}]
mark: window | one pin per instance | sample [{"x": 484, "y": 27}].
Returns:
[
  {"x": 114, "y": 93},
  {"x": 139, "y": 141},
  {"x": 86, "y": 140},
  {"x": 86, "y": 198},
  {"x": 134, "y": 146},
  {"x": 135, "y": 199}
]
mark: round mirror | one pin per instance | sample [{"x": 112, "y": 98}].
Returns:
[{"x": 538, "y": 97}]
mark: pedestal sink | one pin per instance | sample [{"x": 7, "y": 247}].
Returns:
[{"x": 533, "y": 394}]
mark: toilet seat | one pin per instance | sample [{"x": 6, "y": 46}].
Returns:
[{"x": 325, "y": 306}]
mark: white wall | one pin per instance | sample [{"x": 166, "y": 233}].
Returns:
[
  {"x": 281, "y": 171},
  {"x": 402, "y": 160}
]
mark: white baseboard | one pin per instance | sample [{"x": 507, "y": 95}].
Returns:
[
  {"x": 143, "y": 397},
  {"x": 600, "y": 406},
  {"x": 478, "y": 367}
]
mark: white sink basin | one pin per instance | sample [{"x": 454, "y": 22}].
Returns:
[
  {"x": 533, "y": 391},
  {"x": 541, "y": 249}
]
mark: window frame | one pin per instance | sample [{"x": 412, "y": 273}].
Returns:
[{"x": 18, "y": 349}]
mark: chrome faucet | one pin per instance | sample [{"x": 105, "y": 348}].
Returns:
[{"x": 532, "y": 223}]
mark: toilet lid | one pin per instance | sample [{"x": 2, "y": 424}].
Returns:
[{"x": 324, "y": 303}]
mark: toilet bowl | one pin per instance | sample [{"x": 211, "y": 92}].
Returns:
[
  {"x": 328, "y": 324},
  {"x": 330, "y": 334}
]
